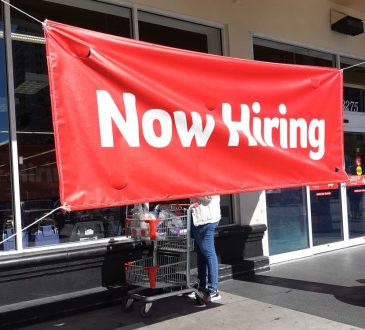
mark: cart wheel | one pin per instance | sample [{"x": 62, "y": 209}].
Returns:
[
  {"x": 128, "y": 307},
  {"x": 146, "y": 310}
]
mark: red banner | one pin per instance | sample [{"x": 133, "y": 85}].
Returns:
[{"x": 139, "y": 122}]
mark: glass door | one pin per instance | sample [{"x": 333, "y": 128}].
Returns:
[
  {"x": 354, "y": 157},
  {"x": 326, "y": 214},
  {"x": 287, "y": 220}
]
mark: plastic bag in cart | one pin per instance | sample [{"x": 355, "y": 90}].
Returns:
[
  {"x": 171, "y": 224},
  {"x": 139, "y": 228}
]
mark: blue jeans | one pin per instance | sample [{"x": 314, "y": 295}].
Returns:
[{"x": 207, "y": 257}]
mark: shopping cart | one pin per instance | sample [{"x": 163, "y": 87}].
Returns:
[{"x": 166, "y": 272}]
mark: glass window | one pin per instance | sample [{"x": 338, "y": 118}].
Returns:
[
  {"x": 354, "y": 76},
  {"x": 354, "y": 85},
  {"x": 270, "y": 51},
  {"x": 353, "y": 99},
  {"x": 37, "y": 164},
  {"x": 100, "y": 17},
  {"x": 287, "y": 220},
  {"x": 226, "y": 210},
  {"x": 326, "y": 212},
  {"x": 354, "y": 144},
  {"x": 39, "y": 191},
  {"x": 6, "y": 208},
  {"x": 354, "y": 155},
  {"x": 179, "y": 34}
]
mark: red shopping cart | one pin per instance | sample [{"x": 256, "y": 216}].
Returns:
[{"x": 168, "y": 268}]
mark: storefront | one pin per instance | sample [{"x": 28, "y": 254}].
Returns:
[
  {"x": 83, "y": 252},
  {"x": 315, "y": 219}
]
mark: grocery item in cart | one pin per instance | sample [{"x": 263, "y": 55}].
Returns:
[
  {"x": 139, "y": 227},
  {"x": 171, "y": 225},
  {"x": 176, "y": 225},
  {"x": 164, "y": 216}
]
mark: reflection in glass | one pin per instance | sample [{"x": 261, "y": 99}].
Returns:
[
  {"x": 271, "y": 51},
  {"x": 286, "y": 220},
  {"x": 354, "y": 156},
  {"x": 326, "y": 215},
  {"x": 104, "y": 18},
  {"x": 356, "y": 210},
  {"x": 38, "y": 176},
  {"x": 226, "y": 210},
  {"x": 177, "y": 33},
  {"x": 354, "y": 75},
  {"x": 37, "y": 162}
]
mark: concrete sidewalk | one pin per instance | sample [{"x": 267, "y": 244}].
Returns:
[
  {"x": 232, "y": 312},
  {"x": 235, "y": 312},
  {"x": 326, "y": 291}
]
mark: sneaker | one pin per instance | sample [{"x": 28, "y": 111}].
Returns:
[
  {"x": 215, "y": 295},
  {"x": 193, "y": 295}
]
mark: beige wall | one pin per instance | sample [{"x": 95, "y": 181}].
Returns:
[{"x": 305, "y": 22}]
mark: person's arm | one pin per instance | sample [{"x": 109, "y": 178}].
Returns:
[{"x": 204, "y": 200}]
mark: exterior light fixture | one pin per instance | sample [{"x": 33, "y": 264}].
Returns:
[{"x": 346, "y": 24}]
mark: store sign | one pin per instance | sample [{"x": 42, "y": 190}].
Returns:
[
  {"x": 355, "y": 180},
  {"x": 323, "y": 190},
  {"x": 137, "y": 122},
  {"x": 329, "y": 186}
]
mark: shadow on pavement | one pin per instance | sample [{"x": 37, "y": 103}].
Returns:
[
  {"x": 350, "y": 295},
  {"x": 114, "y": 317}
]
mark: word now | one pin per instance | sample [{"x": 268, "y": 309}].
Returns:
[{"x": 290, "y": 133}]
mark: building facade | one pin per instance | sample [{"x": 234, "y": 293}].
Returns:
[{"x": 81, "y": 254}]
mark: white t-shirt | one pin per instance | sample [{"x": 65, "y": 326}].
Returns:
[{"x": 207, "y": 211}]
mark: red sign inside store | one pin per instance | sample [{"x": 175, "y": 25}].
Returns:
[{"x": 355, "y": 180}]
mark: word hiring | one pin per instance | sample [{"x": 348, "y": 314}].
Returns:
[{"x": 258, "y": 131}]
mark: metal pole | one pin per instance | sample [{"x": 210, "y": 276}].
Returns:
[
  {"x": 12, "y": 127},
  {"x": 188, "y": 224}
]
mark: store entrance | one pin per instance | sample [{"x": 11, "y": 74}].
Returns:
[
  {"x": 354, "y": 146},
  {"x": 338, "y": 210},
  {"x": 324, "y": 217}
]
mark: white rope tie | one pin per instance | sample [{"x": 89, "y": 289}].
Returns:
[
  {"x": 23, "y": 12},
  {"x": 352, "y": 66},
  {"x": 40, "y": 219}
]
